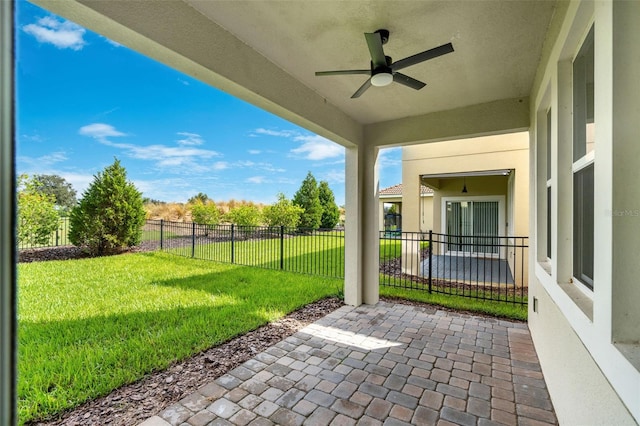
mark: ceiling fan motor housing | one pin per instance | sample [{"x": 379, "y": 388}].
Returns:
[{"x": 384, "y": 35}]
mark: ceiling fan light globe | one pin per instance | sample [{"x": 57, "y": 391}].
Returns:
[{"x": 382, "y": 79}]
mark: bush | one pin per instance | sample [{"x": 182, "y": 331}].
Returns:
[
  {"x": 246, "y": 215},
  {"x": 282, "y": 213},
  {"x": 37, "y": 216},
  {"x": 205, "y": 213},
  {"x": 110, "y": 215}
]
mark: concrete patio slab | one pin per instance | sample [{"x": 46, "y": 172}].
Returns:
[{"x": 387, "y": 364}]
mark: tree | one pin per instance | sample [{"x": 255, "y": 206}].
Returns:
[
  {"x": 330, "y": 212},
  {"x": 110, "y": 215},
  {"x": 202, "y": 197},
  {"x": 308, "y": 197},
  {"x": 37, "y": 216},
  {"x": 58, "y": 187},
  {"x": 245, "y": 215},
  {"x": 282, "y": 213}
]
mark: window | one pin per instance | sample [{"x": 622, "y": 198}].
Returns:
[{"x": 583, "y": 161}]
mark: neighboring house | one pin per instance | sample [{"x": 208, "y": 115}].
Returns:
[
  {"x": 477, "y": 188},
  {"x": 486, "y": 178},
  {"x": 392, "y": 196}
]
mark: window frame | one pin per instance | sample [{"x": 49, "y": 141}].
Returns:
[{"x": 580, "y": 165}]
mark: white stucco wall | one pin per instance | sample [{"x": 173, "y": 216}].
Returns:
[
  {"x": 588, "y": 341},
  {"x": 572, "y": 376}
]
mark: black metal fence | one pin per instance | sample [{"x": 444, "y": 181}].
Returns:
[
  {"x": 58, "y": 238},
  {"x": 317, "y": 252},
  {"x": 479, "y": 267}
]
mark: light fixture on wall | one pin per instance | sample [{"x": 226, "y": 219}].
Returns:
[{"x": 464, "y": 187}]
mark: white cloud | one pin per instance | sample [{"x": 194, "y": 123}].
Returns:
[
  {"x": 100, "y": 131},
  {"x": 79, "y": 181},
  {"x": 220, "y": 165},
  {"x": 390, "y": 157},
  {"x": 254, "y": 151},
  {"x": 111, "y": 42},
  {"x": 164, "y": 156},
  {"x": 316, "y": 147},
  {"x": 334, "y": 176},
  {"x": 281, "y": 133},
  {"x": 43, "y": 160},
  {"x": 62, "y": 34},
  {"x": 256, "y": 179},
  {"x": 313, "y": 147},
  {"x": 190, "y": 139}
]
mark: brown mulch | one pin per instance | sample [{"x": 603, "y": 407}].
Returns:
[{"x": 138, "y": 401}]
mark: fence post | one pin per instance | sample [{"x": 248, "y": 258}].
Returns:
[
  {"x": 430, "y": 256},
  {"x": 233, "y": 227},
  {"x": 281, "y": 246},
  {"x": 193, "y": 239},
  {"x": 58, "y": 236},
  {"x": 161, "y": 232}
]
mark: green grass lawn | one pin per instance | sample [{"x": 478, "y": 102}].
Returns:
[
  {"x": 499, "y": 309},
  {"x": 89, "y": 326},
  {"x": 319, "y": 254}
]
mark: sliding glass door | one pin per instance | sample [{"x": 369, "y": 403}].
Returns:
[{"x": 473, "y": 227}]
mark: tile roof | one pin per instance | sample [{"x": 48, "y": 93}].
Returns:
[{"x": 397, "y": 190}]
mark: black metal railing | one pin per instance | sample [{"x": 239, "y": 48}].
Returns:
[
  {"x": 480, "y": 267},
  {"x": 317, "y": 252},
  {"x": 58, "y": 238}
]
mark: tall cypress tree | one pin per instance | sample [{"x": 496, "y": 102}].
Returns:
[
  {"x": 330, "y": 211},
  {"x": 308, "y": 197}
]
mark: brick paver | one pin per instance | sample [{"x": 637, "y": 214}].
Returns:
[{"x": 388, "y": 364}]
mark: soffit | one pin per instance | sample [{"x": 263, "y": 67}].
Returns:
[{"x": 497, "y": 48}]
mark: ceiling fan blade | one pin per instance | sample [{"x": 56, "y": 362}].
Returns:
[
  {"x": 362, "y": 89},
  {"x": 423, "y": 56},
  {"x": 344, "y": 72},
  {"x": 408, "y": 81},
  {"x": 374, "y": 41}
]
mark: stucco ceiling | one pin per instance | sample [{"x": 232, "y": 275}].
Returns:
[
  {"x": 267, "y": 52},
  {"x": 497, "y": 47}
]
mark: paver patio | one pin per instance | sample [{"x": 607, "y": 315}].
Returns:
[{"x": 390, "y": 364}]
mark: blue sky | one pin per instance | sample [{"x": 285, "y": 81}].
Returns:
[{"x": 83, "y": 100}]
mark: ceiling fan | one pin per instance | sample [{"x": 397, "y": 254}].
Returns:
[{"x": 383, "y": 70}]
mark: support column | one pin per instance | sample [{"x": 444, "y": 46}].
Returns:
[
  {"x": 8, "y": 313},
  {"x": 362, "y": 243}
]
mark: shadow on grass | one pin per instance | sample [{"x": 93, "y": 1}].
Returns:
[{"x": 64, "y": 363}]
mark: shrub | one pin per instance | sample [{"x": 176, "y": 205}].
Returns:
[
  {"x": 244, "y": 215},
  {"x": 205, "y": 213},
  {"x": 330, "y": 212},
  {"x": 282, "y": 213},
  {"x": 37, "y": 216},
  {"x": 110, "y": 214},
  {"x": 308, "y": 197}
]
